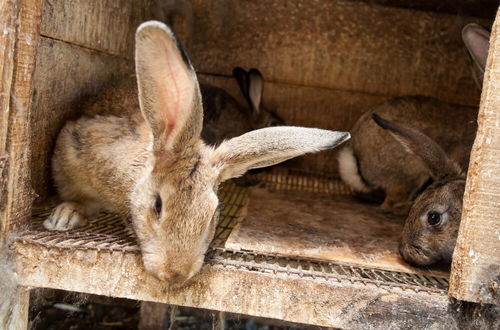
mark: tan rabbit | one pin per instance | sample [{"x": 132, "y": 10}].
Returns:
[
  {"x": 225, "y": 118},
  {"x": 155, "y": 168},
  {"x": 373, "y": 160},
  {"x": 408, "y": 164}
]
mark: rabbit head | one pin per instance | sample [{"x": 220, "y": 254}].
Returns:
[
  {"x": 476, "y": 39},
  {"x": 431, "y": 228},
  {"x": 252, "y": 87},
  {"x": 174, "y": 204}
]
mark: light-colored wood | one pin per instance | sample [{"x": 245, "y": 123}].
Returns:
[
  {"x": 335, "y": 229},
  {"x": 476, "y": 262},
  {"x": 65, "y": 76},
  {"x": 342, "y": 304},
  {"x": 21, "y": 29},
  {"x": 344, "y": 45},
  {"x": 310, "y": 107}
]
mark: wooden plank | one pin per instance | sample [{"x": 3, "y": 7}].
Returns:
[
  {"x": 14, "y": 310},
  {"x": 106, "y": 25},
  {"x": 347, "y": 46},
  {"x": 243, "y": 291},
  {"x": 476, "y": 262},
  {"x": 329, "y": 228},
  {"x": 20, "y": 37},
  {"x": 65, "y": 76},
  {"x": 308, "y": 106}
]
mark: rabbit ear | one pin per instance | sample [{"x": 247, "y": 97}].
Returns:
[
  {"x": 255, "y": 88},
  {"x": 269, "y": 146},
  {"x": 476, "y": 39},
  {"x": 168, "y": 89},
  {"x": 419, "y": 144},
  {"x": 240, "y": 75}
]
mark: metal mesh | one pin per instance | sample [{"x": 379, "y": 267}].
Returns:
[{"x": 110, "y": 232}]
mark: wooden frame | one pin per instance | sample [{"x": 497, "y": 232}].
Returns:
[{"x": 476, "y": 262}]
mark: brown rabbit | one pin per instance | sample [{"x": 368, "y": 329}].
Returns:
[
  {"x": 411, "y": 164},
  {"x": 225, "y": 118},
  {"x": 153, "y": 166},
  {"x": 431, "y": 229}
]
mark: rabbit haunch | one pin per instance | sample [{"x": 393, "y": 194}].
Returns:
[
  {"x": 408, "y": 142},
  {"x": 153, "y": 166}
]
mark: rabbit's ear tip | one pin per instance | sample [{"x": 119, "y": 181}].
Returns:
[{"x": 153, "y": 25}]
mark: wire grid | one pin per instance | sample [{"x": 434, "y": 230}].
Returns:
[{"x": 111, "y": 232}]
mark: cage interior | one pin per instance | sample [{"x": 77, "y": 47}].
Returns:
[{"x": 324, "y": 64}]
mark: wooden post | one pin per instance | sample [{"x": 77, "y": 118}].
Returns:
[
  {"x": 475, "y": 272},
  {"x": 19, "y": 33}
]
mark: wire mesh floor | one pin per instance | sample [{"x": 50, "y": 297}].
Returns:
[{"x": 110, "y": 232}]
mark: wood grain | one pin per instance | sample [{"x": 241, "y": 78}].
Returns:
[
  {"x": 476, "y": 262},
  {"x": 348, "y": 45},
  {"x": 313, "y": 301},
  {"x": 330, "y": 228},
  {"x": 21, "y": 25}
]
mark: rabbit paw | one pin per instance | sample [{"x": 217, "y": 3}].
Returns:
[{"x": 65, "y": 216}]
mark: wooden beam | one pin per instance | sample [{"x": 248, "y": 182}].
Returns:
[
  {"x": 475, "y": 272},
  {"x": 288, "y": 297},
  {"x": 344, "y": 45}
]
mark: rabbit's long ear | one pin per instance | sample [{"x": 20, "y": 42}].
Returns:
[
  {"x": 168, "y": 89},
  {"x": 477, "y": 40},
  {"x": 434, "y": 157},
  {"x": 240, "y": 75},
  {"x": 269, "y": 146},
  {"x": 255, "y": 89}
]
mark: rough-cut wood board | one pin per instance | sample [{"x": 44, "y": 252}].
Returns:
[
  {"x": 22, "y": 25},
  {"x": 324, "y": 227},
  {"x": 345, "y": 45},
  {"x": 105, "y": 25},
  {"x": 308, "y": 106},
  {"x": 336, "y": 304},
  {"x": 65, "y": 75},
  {"x": 475, "y": 273}
]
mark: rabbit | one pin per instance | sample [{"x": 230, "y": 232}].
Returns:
[
  {"x": 408, "y": 163},
  {"x": 431, "y": 228},
  {"x": 225, "y": 118},
  {"x": 372, "y": 160},
  {"x": 152, "y": 166}
]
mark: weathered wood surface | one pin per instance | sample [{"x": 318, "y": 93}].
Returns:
[
  {"x": 310, "y": 107},
  {"x": 347, "y": 46},
  {"x": 476, "y": 262},
  {"x": 291, "y": 298},
  {"x": 65, "y": 76},
  {"x": 15, "y": 315},
  {"x": 330, "y": 228},
  {"x": 20, "y": 29},
  {"x": 106, "y": 25}
]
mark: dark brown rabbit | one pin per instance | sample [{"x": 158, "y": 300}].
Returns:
[
  {"x": 225, "y": 118},
  {"x": 421, "y": 164}
]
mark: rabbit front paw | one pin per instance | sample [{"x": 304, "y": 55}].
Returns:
[{"x": 66, "y": 216}]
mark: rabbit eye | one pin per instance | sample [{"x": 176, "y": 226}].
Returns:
[
  {"x": 433, "y": 218},
  {"x": 158, "y": 205}
]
